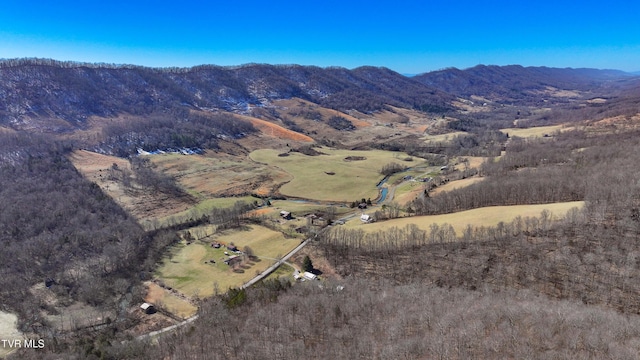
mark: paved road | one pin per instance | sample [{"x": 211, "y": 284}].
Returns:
[{"x": 273, "y": 267}]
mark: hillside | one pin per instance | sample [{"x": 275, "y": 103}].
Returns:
[
  {"x": 521, "y": 85},
  {"x": 57, "y": 97},
  {"x": 493, "y": 236}
]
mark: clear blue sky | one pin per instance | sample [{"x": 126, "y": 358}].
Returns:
[{"x": 406, "y": 36}]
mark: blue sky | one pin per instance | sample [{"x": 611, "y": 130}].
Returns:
[{"x": 406, "y": 36}]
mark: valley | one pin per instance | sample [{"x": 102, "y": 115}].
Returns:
[{"x": 412, "y": 191}]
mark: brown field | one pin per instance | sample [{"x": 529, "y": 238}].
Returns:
[
  {"x": 532, "y": 132},
  {"x": 275, "y": 130},
  {"x": 487, "y": 216},
  {"x": 474, "y": 162},
  {"x": 142, "y": 204},
  {"x": 211, "y": 175},
  {"x": 442, "y": 138},
  {"x": 458, "y": 184},
  {"x": 169, "y": 301}
]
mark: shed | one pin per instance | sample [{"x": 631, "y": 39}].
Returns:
[
  {"x": 286, "y": 215},
  {"x": 309, "y": 276},
  {"x": 148, "y": 308},
  {"x": 366, "y": 218}
]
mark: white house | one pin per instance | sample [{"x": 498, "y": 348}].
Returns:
[{"x": 366, "y": 218}]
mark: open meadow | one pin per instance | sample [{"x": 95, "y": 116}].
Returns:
[
  {"x": 539, "y": 131},
  {"x": 189, "y": 268},
  {"x": 209, "y": 176},
  {"x": 335, "y": 175},
  {"x": 487, "y": 216}
]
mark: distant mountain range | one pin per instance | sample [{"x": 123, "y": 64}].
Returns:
[{"x": 70, "y": 92}]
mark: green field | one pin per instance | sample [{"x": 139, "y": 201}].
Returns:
[
  {"x": 188, "y": 269},
  {"x": 330, "y": 177},
  {"x": 487, "y": 216}
]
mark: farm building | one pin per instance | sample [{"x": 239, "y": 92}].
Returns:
[
  {"x": 232, "y": 247},
  {"x": 366, "y": 218},
  {"x": 233, "y": 259},
  {"x": 309, "y": 276},
  {"x": 148, "y": 308},
  {"x": 286, "y": 215}
]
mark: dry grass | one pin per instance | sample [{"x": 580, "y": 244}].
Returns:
[
  {"x": 539, "y": 131},
  {"x": 214, "y": 176},
  {"x": 442, "y": 138},
  {"x": 474, "y": 162},
  {"x": 487, "y": 216},
  {"x": 144, "y": 205},
  {"x": 458, "y": 184},
  {"x": 274, "y": 130},
  {"x": 168, "y": 301}
]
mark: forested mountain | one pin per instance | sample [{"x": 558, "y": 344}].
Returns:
[
  {"x": 532, "y": 287},
  {"x": 62, "y": 95},
  {"x": 515, "y": 83},
  {"x": 69, "y": 92}
]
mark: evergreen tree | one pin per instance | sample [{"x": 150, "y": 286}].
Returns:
[{"x": 307, "y": 265}]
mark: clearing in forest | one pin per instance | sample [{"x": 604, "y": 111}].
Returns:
[
  {"x": 169, "y": 301},
  {"x": 457, "y": 184},
  {"x": 143, "y": 204},
  {"x": 532, "y": 132},
  {"x": 189, "y": 269},
  {"x": 334, "y": 175},
  {"x": 486, "y": 216}
]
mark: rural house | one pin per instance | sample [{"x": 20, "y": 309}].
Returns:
[
  {"x": 286, "y": 215},
  {"x": 366, "y": 218}
]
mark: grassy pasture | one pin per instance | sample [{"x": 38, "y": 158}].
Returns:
[
  {"x": 532, "y": 132},
  {"x": 330, "y": 177},
  {"x": 214, "y": 177},
  {"x": 487, "y": 216},
  {"x": 188, "y": 269}
]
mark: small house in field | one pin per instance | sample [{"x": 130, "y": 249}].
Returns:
[
  {"x": 362, "y": 205},
  {"x": 286, "y": 215},
  {"x": 148, "y": 308},
  {"x": 233, "y": 259},
  {"x": 366, "y": 218},
  {"x": 232, "y": 247}
]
